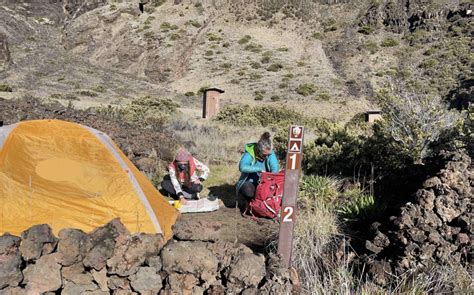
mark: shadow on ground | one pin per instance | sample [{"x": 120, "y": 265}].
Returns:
[{"x": 226, "y": 193}]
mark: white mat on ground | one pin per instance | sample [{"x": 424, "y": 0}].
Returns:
[{"x": 202, "y": 205}]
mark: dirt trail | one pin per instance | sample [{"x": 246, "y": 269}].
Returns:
[{"x": 227, "y": 224}]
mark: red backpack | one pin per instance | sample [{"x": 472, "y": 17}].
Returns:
[{"x": 267, "y": 201}]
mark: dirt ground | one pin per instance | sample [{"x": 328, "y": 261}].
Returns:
[
  {"x": 233, "y": 227},
  {"x": 226, "y": 224}
]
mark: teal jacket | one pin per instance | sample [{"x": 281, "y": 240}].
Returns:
[{"x": 249, "y": 164}]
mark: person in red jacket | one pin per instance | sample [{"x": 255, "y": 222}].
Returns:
[{"x": 185, "y": 176}]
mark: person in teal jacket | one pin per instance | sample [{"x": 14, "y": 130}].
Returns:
[{"x": 257, "y": 158}]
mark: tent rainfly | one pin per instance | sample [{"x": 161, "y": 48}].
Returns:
[{"x": 72, "y": 176}]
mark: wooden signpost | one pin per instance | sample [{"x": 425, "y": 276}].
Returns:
[{"x": 290, "y": 192}]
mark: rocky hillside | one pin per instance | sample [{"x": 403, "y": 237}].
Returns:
[{"x": 322, "y": 57}]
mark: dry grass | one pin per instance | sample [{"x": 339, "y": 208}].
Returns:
[{"x": 214, "y": 142}]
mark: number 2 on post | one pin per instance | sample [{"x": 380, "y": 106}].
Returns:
[{"x": 288, "y": 213}]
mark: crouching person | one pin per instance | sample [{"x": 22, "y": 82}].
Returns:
[
  {"x": 258, "y": 157},
  {"x": 185, "y": 177}
]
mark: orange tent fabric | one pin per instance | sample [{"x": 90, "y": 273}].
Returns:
[{"x": 68, "y": 175}]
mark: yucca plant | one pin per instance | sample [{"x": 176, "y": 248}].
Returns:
[
  {"x": 321, "y": 188},
  {"x": 358, "y": 205}
]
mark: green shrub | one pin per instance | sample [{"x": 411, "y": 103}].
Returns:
[
  {"x": 324, "y": 96},
  {"x": 317, "y": 36},
  {"x": 245, "y": 39},
  {"x": 175, "y": 36},
  {"x": 275, "y": 67},
  {"x": 226, "y": 65},
  {"x": 428, "y": 63},
  {"x": 306, "y": 89},
  {"x": 389, "y": 42},
  {"x": 209, "y": 53},
  {"x": 144, "y": 112},
  {"x": 267, "y": 53},
  {"x": 165, "y": 26},
  {"x": 193, "y": 23},
  {"x": 190, "y": 93},
  {"x": 255, "y": 65},
  {"x": 366, "y": 30},
  {"x": 315, "y": 187},
  {"x": 371, "y": 47},
  {"x": 99, "y": 88},
  {"x": 258, "y": 96},
  {"x": 5, "y": 88},
  {"x": 255, "y": 48},
  {"x": 265, "y": 59},
  {"x": 329, "y": 25},
  {"x": 283, "y": 49},
  {"x": 213, "y": 37},
  {"x": 255, "y": 76},
  {"x": 202, "y": 89},
  {"x": 87, "y": 93},
  {"x": 275, "y": 98},
  {"x": 245, "y": 115},
  {"x": 226, "y": 45},
  {"x": 283, "y": 85}
]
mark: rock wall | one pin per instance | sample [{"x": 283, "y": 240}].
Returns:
[
  {"x": 110, "y": 260},
  {"x": 435, "y": 229}
]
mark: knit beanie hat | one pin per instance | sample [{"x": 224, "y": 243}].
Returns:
[{"x": 182, "y": 155}]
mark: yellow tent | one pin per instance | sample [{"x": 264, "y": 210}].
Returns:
[{"x": 68, "y": 175}]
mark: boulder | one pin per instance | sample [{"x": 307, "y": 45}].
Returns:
[
  {"x": 380, "y": 272},
  {"x": 216, "y": 290},
  {"x": 191, "y": 258},
  {"x": 118, "y": 283},
  {"x": 432, "y": 182},
  {"x": 446, "y": 208},
  {"x": 13, "y": 291},
  {"x": 426, "y": 198},
  {"x": 226, "y": 252},
  {"x": 36, "y": 241},
  {"x": 146, "y": 281},
  {"x": 102, "y": 243},
  {"x": 247, "y": 271},
  {"x": 100, "y": 277},
  {"x": 80, "y": 284},
  {"x": 73, "y": 245},
  {"x": 44, "y": 275},
  {"x": 132, "y": 253},
  {"x": 381, "y": 240},
  {"x": 69, "y": 272},
  {"x": 372, "y": 248},
  {"x": 155, "y": 262},
  {"x": 10, "y": 261},
  {"x": 182, "y": 284}
]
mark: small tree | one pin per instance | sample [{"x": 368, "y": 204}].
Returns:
[{"x": 416, "y": 120}]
